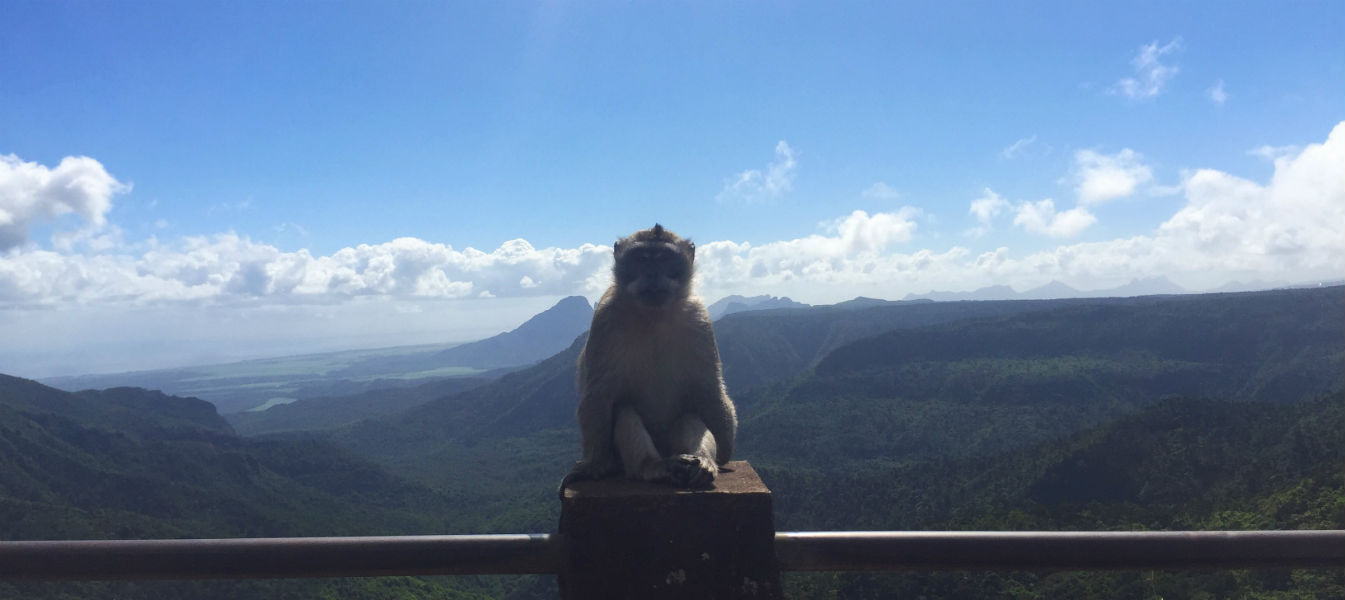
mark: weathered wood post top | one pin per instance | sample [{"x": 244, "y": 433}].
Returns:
[{"x": 631, "y": 539}]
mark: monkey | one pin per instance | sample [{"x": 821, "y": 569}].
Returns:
[{"x": 653, "y": 405}]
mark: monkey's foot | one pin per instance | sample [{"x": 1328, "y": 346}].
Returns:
[
  {"x": 691, "y": 471},
  {"x": 651, "y": 469}
]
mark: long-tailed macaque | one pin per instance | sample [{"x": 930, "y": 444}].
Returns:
[{"x": 652, "y": 399}]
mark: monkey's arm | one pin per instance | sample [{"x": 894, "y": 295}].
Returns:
[
  {"x": 598, "y": 393},
  {"x": 711, "y": 399},
  {"x": 595, "y": 429},
  {"x": 721, "y": 420}
]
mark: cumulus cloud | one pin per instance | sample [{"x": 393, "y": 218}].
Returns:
[
  {"x": 1041, "y": 217},
  {"x": 757, "y": 185},
  {"x": 852, "y": 250},
  {"x": 1102, "y": 178},
  {"x": 1293, "y": 222},
  {"x": 228, "y": 267},
  {"x": 1228, "y": 228},
  {"x": 1150, "y": 72},
  {"x": 31, "y": 193},
  {"x": 1038, "y": 217},
  {"x": 1225, "y": 227},
  {"x": 986, "y": 208}
]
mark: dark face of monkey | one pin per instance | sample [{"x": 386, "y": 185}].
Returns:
[{"x": 654, "y": 266}]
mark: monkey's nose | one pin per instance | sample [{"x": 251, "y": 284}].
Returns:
[{"x": 656, "y": 297}]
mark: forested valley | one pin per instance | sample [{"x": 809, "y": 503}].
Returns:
[{"x": 1215, "y": 411}]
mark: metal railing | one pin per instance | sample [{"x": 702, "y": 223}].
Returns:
[{"x": 544, "y": 553}]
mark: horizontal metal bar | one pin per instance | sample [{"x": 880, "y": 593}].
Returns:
[
  {"x": 1056, "y": 550},
  {"x": 543, "y": 553},
  {"x": 279, "y": 557}
]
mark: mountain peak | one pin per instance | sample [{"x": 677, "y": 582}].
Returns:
[
  {"x": 541, "y": 336},
  {"x": 570, "y": 309}
]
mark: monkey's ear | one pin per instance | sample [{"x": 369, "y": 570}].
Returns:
[
  {"x": 618, "y": 246},
  {"x": 691, "y": 249}
]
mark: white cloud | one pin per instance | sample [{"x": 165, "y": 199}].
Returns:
[
  {"x": 1274, "y": 153},
  {"x": 854, "y": 251},
  {"x": 1150, "y": 73},
  {"x": 1041, "y": 217},
  {"x": 986, "y": 208},
  {"x": 1017, "y": 148},
  {"x": 881, "y": 191},
  {"x": 31, "y": 194},
  {"x": 228, "y": 267},
  {"x": 755, "y": 185},
  {"x": 1217, "y": 94},
  {"x": 1225, "y": 228},
  {"x": 1229, "y": 228},
  {"x": 1294, "y": 222},
  {"x": 1101, "y": 178}
]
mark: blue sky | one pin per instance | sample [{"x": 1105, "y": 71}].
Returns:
[{"x": 290, "y": 165}]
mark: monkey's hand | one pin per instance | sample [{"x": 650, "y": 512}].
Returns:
[
  {"x": 585, "y": 470},
  {"x": 692, "y": 471}
]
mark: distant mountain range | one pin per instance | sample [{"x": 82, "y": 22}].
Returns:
[
  {"x": 733, "y": 304},
  {"x": 1138, "y": 287}
]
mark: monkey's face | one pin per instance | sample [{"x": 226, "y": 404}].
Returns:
[{"x": 655, "y": 274}]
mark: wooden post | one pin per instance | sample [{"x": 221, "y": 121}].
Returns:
[{"x": 628, "y": 539}]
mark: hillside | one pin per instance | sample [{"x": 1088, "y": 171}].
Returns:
[
  {"x": 981, "y": 386},
  {"x": 131, "y": 463},
  {"x": 757, "y": 347},
  {"x": 541, "y": 336},
  {"x": 326, "y": 412},
  {"x": 1179, "y": 464},
  {"x": 910, "y": 395}
]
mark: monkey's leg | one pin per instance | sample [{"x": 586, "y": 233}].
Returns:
[
  {"x": 692, "y": 464},
  {"x": 638, "y": 454}
]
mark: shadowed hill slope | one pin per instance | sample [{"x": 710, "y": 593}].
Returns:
[
  {"x": 1180, "y": 464},
  {"x": 982, "y": 386},
  {"x": 130, "y": 463},
  {"x": 166, "y": 466}
]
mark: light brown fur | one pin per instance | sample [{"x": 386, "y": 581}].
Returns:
[{"x": 652, "y": 398}]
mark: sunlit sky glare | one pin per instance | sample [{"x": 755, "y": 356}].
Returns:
[{"x": 192, "y": 181}]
